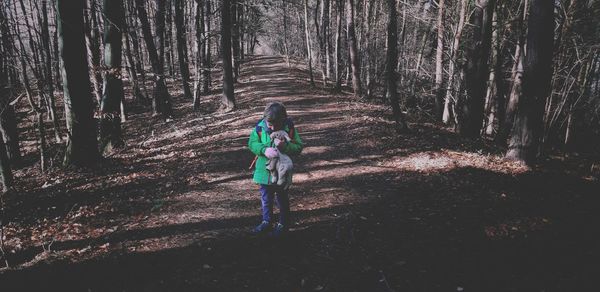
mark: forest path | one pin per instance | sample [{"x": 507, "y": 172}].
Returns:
[{"x": 422, "y": 211}]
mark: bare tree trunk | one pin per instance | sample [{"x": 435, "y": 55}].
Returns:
[
  {"x": 326, "y": 36},
  {"x": 235, "y": 39},
  {"x": 491, "y": 96},
  {"x": 82, "y": 146},
  {"x": 338, "y": 46},
  {"x": 439, "y": 62},
  {"x": 285, "y": 36},
  {"x": 207, "y": 49},
  {"x": 308, "y": 44},
  {"x": 450, "y": 98},
  {"x": 6, "y": 176},
  {"x": 113, "y": 95},
  {"x": 48, "y": 69},
  {"x": 368, "y": 47},
  {"x": 517, "y": 79},
  {"x": 8, "y": 120},
  {"x": 161, "y": 101},
  {"x": 527, "y": 129},
  {"x": 56, "y": 64},
  {"x": 131, "y": 69},
  {"x": 391, "y": 60},
  {"x": 471, "y": 109},
  {"x": 199, "y": 24},
  {"x": 181, "y": 51},
  {"x": 242, "y": 27},
  {"x": 228, "y": 100},
  {"x": 137, "y": 50},
  {"x": 93, "y": 43},
  {"x": 168, "y": 39},
  {"x": 353, "y": 48}
]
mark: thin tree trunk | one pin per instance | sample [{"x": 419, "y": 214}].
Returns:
[
  {"x": 93, "y": 40},
  {"x": 199, "y": 53},
  {"x": 242, "y": 27},
  {"x": 235, "y": 39},
  {"x": 285, "y": 36},
  {"x": 527, "y": 129},
  {"x": 517, "y": 79},
  {"x": 181, "y": 44},
  {"x": 137, "y": 50},
  {"x": 390, "y": 69},
  {"x": 161, "y": 101},
  {"x": 353, "y": 48},
  {"x": 34, "y": 106},
  {"x": 450, "y": 97},
  {"x": 56, "y": 64},
  {"x": 6, "y": 176},
  {"x": 369, "y": 56},
  {"x": 439, "y": 62},
  {"x": 338, "y": 46},
  {"x": 131, "y": 68},
  {"x": 207, "y": 79},
  {"x": 492, "y": 97},
  {"x": 113, "y": 95},
  {"x": 48, "y": 67},
  {"x": 228, "y": 100},
  {"x": 168, "y": 39},
  {"x": 327, "y": 33},
  {"x": 308, "y": 44}
]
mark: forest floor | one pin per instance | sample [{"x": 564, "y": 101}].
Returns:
[{"x": 373, "y": 210}]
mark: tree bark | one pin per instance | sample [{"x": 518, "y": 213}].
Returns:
[
  {"x": 450, "y": 97},
  {"x": 132, "y": 71},
  {"x": 472, "y": 109},
  {"x": 8, "y": 119},
  {"x": 112, "y": 95},
  {"x": 6, "y": 176},
  {"x": 353, "y": 48},
  {"x": 338, "y": 46},
  {"x": 181, "y": 48},
  {"x": 228, "y": 100},
  {"x": 517, "y": 80},
  {"x": 526, "y": 132},
  {"x": 93, "y": 43},
  {"x": 308, "y": 44},
  {"x": 235, "y": 39},
  {"x": 82, "y": 146},
  {"x": 136, "y": 50},
  {"x": 199, "y": 53},
  {"x": 207, "y": 78},
  {"x": 285, "y": 34},
  {"x": 439, "y": 62},
  {"x": 161, "y": 101},
  {"x": 168, "y": 39},
  {"x": 391, "y": 62}
]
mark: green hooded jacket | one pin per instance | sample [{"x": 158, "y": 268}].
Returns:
[{"x": 259, "y": 143}]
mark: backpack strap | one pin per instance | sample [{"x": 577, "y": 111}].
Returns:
[{"x": 258, "y": 130}]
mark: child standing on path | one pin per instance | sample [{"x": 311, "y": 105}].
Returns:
[{"x": 274, "y": 119}]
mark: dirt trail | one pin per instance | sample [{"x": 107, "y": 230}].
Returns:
[{"x": 372, "y": 210}]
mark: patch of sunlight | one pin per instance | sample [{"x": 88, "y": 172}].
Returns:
[
  {"x": 340, "y": 172},
  {"x": 317, "y": 149},
  {"x": 445, "y": 160}
]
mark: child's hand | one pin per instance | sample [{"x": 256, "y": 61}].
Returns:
[{"x": 271, "y": 152}]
